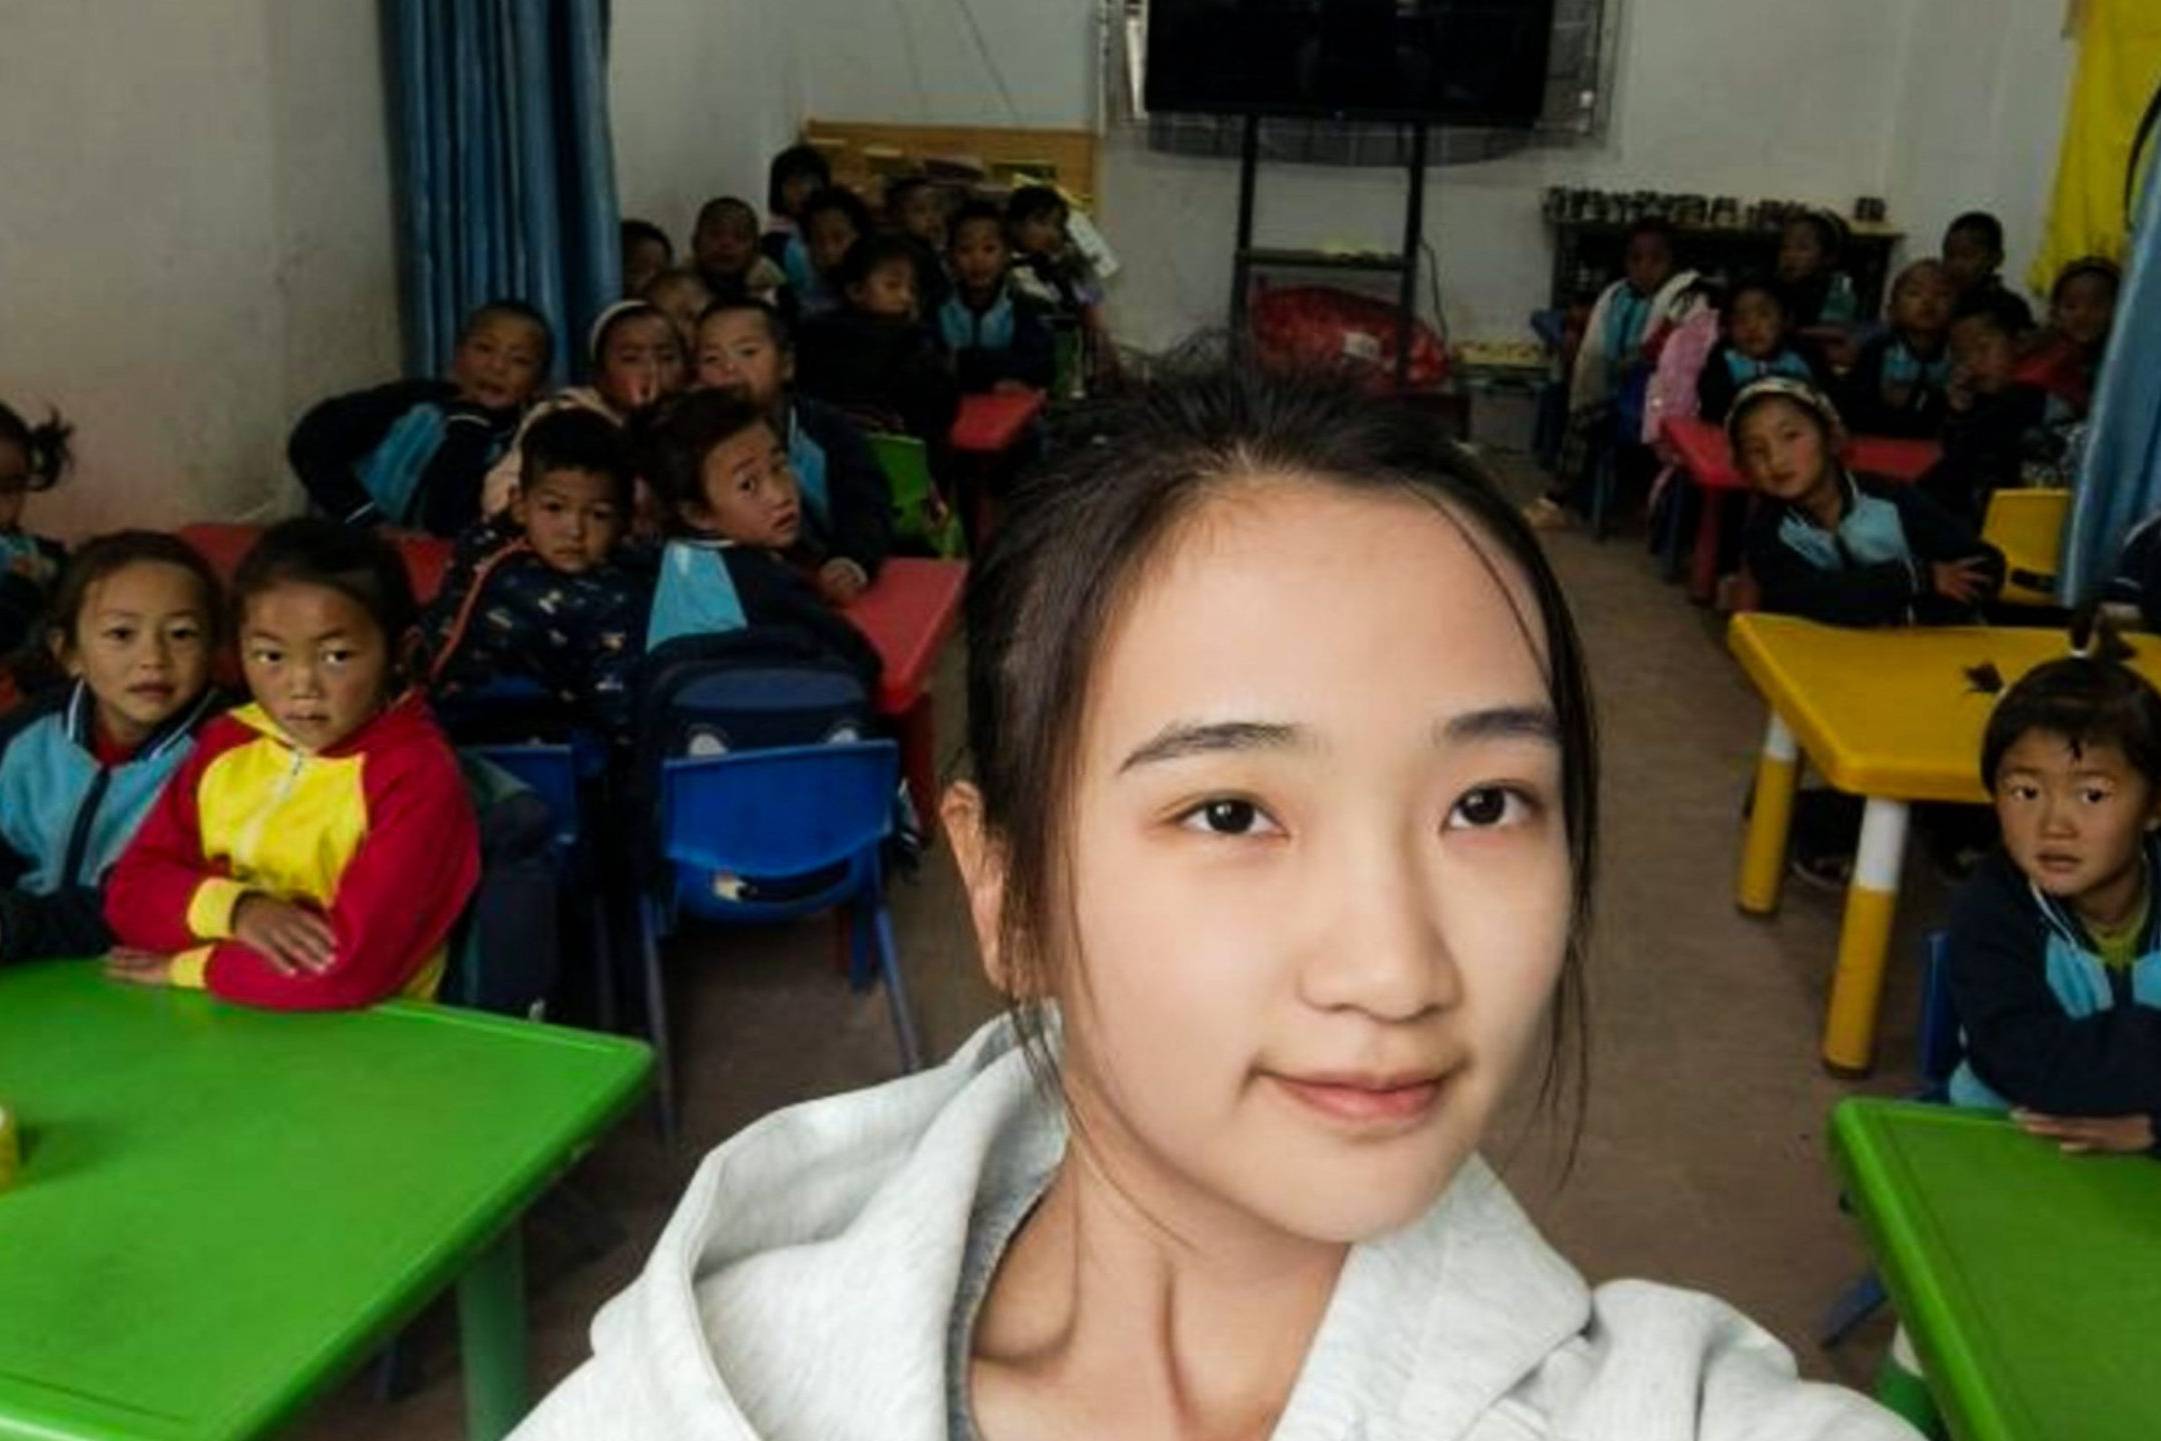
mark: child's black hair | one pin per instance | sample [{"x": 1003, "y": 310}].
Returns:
[
  {"x": 847, "y": 202},
  {"x": 638, "y": 232},
  {"x": 1035, "y": 202},
  {"x": 1830, "y": 231},
  {"x": 797, "y": 161},
  {"x": 107, "y": 555},
  {"x": 872, "y": 252},
  {"x": 2095, "y": 267},
  {"x": 776, "y": 324},
  {"x": 582, "y": 440},
  {"x": 44, "y": 446},
  {"x": 2089, "y": 699},
  {"x": 315, "y": 550},
  {"x": 685, "y": 432},
  {"x": 1652, "y": 225},
  {"x": 899, "y": 188},
  {"x": 1754, "y": 285},
  {"x": 721, "y": 205},
  {"x": 1980, "y": 223},
  {"x": 970, "y": 212},
  {"x": 1998, "y": 309},
  {"x": 506, "y": 308}
]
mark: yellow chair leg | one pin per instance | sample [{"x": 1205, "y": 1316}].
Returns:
[
  {"x": 1770, "y": 817},
  {"x": 1864, "y": 940}
]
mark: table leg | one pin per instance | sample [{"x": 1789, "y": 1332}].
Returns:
[
  {"x": 1710, "y": 533},
  {"x": 1864, "y": 940},
  {"x": 919, "y": 762},
  {"x": 1770, "y": 816},
  {"x": 491, "y": 1334}
]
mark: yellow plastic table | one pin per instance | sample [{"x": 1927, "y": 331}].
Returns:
[
  {"x": 2030, "y": 1281},
  {"x": 1889, "y": 715},
  {"x": 221, "y": 1211}
]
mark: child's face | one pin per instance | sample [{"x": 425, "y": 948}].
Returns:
[
  {"x": 142, "y": 645},
  {"x": 1319, "y": 867},
  {"x": 1922, "y": 306},
  {"x": 640, "y": 361},
  {"x": 14, "y": 485},
  {"x": 1969, "y": 258},
  {"x": 726, "y": 243},
  {"x": 796, "y": 189},
  {"x": 1758, "y": 324},
  {"x": 1649, "y": 263},
  {"x": 1983, "y": 355},
  {"x": 978, "y": 256},
  {"x": 2072, "y": 819},
  {"x": 736, "y": 352},
  {"x": 887, "y": 292},
  {"x": 827, "y": 236},
  {"x": 682, "y": 297},
  {"x": 1800, "y": 251},
  {"x": 1784, "y": 452},
  {"x": 750, "y": 493},
  {"x": 497, "y": 365},
  {"x": 1040, "y": 234},
  {"x": 643, "y": 259},
  {"x": 571, "y": 518},
  {"x": 2085, "y": 309},
  {"x": 316, "y": 660},
  {"x": 922, "y": 215}
]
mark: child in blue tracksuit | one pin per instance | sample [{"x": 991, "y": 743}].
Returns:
[
  {"x": 32, "y": 458},
  {"x": 2053, "y": 950},
  {"x": 996, "y": 336},
  {"x": 135, "y": 623},
  {"x": 1758, "y": 343}
]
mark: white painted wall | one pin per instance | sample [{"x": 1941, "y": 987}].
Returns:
[{"x": 198, "y": 240}]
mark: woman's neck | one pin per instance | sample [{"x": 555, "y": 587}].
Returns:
[{"x": 1128, "y": 1306}]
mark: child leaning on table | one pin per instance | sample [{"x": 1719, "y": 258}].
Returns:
[{"x": 2055, "y": 964}]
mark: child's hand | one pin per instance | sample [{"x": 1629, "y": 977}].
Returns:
[
  {"x": 2081, "y": 1135},
  {"x": 1964, "y": 581},
  {"x": 841, "y": 581},
  {"x": 290, "y": 938},
  {"x": 138, "y": 968}
]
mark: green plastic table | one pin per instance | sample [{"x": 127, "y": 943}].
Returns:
[
  {"x": 2029, "y": 1281},
  {"x": 221, "y": 1211}
]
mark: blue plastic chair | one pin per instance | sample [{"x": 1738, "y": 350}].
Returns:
[{"x": 769, "y": 835}]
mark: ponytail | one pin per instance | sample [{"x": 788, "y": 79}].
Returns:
[{"x": 44, "y": 446}]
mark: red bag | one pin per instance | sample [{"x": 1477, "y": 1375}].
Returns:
[{"x": 1319, "y": 324}]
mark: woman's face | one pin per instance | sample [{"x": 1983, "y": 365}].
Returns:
[{"x": 1320, "y": 872}]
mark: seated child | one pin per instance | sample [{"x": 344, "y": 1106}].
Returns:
[
  {"x": 637, "y": 359},
  {"x": 2055, "y": 966},
  {"x": 415, "y": 452},
  {"x": 724, "y": 474},
  {"x": 1759, "y": 342},
  {"x": 997, "y": 338},
  {"x": 1898, "y": 385},
  {"x": 682, "y": 296},
  {"x": 646, "y": 253},
  {"x": 794, "y": 175},
  {"x": 1816, "y": 291},
  {"x": 32, "y": 457},
  {"x": 745, "y": 348},
  {"x": 725, "y": 247},
  {"x": 1836, "y": 550},
  {"x": 1973, "y": 259},
  {"x": 542, "y": 593},
  {"x": 915, "y": 210},
  {"x": 834, "y": 219},
  {"x": 2081, "y": 312},
  {"x": 134, "y": 623},
  {"x": 1050, "y": 270},
  {"x": 314, "y": 850},
  {"x": 874, "y": 358},
  {"x": 1994, "y": 423}
]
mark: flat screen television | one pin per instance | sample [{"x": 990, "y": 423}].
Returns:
[{"x": 1462, "y": 62}]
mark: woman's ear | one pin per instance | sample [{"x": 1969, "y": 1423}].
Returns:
[{"x": 982, "y": 874}]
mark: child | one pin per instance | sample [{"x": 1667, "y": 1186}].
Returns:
[
  {"x": 2082, "y": 311},
  {"x": 2055, "y": 963},
  {"x": 1899, "y": 385},
  {"x": 637, "y": 359},
  {"x": 315, "y": 849},
  {"x": 834, "y": 219},
  {"x": 134, "y": 622},
  {"x": 794, "y": 175},
  {"x": 541, "y": 594},
  {"x": 1993, "y": 422},
  {"x": 724, "y": 474},
  {"x": 1050, "y": 270},
  {"x": 1816, "y": 292},
  {"x": 32, "y": 458},
  {"x": 415, "y": 452},
  {"x": 1758, "y": 343},
  {"x": 682, "y": 296},
  {"x": 746, "y": 349},
  {"x": 874, "y": 358},
  {"x": 725, "y": 247},
  {"x": 997, "y": 338},
  {"x": 646, "y": 253},
  {"x": 1973, "y": 259},
  {"x": 1825, "y": 546},
  {"x": 1281, "y": 897},
  {"x": 915, "y": 210}
]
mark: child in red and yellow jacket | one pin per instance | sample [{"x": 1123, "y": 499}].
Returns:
[{"x": 316, "y": 848}]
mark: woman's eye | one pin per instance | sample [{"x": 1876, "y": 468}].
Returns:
[
  {"x": 1488, "y": 807},
  {"x": 1228, "y": 817}
]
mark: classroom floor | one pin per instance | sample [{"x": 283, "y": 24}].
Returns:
[{"x": 1701, "y": 1161}]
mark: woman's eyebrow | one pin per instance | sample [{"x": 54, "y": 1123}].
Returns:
[
  {"x": 1187, "y": 738},
  {"x": 1535, "y": 722}
]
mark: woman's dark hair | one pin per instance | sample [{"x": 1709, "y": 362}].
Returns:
[
  {"x": 1035, "y": 202},
  {"x": 505, "y": 309},
  {"x": 1981, "y": 223},
  {"x": 578, "y": 439},
  {"x": 44, "y": 446},
  {"x": 2091, "y": 697},
  {"x": 869, "y": 254},
  {"x": 683, "y": 433},
  {"x": 314, "y": 550},
  {"x": 795, "y": 163},
  {"x": 776, "y": 324},
  {"x": 972, "y": 212},
  {"x": 639, "y": 232},
  {"x": 2086, "y": 267},
  {"x": 1080, "y": 535},
  {"x": 105, "y": 556},
  {"x": 846, "y": 201}
]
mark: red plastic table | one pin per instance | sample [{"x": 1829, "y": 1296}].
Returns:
[
  {"x": 427, "y": 557},
  {"x": 907, "y": 617},
  {"x": 990, "y": 424}
]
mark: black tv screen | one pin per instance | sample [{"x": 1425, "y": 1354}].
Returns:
[{"x": 1465, "y": 62}]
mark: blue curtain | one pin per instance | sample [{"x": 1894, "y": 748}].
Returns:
[
  {"x": 506, "y": 176},
  {"x": 2119, "y": 480}
]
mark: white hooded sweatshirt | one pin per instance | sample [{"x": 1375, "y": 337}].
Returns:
[{"x": 805, "y": 1288}]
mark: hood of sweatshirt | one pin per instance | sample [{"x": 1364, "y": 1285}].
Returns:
[{"x": 805, "y": 1286}]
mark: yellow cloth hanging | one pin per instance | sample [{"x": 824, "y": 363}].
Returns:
[{"x": 2119, "y": 65}]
